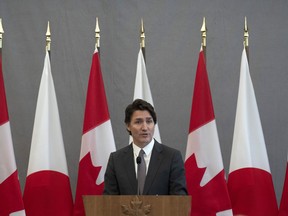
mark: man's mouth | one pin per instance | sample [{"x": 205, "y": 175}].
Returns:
[{"x": 144, "y": 134}]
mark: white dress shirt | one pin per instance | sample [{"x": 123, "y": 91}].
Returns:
[{"x": 148, "y": 151}]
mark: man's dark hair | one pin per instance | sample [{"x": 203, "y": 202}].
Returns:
[{"x": 139, "y": 104}]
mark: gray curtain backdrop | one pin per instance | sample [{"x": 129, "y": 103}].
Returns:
[{"x": 173, "y": 41}]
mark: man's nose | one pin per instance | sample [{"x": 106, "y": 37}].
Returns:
[{"x": 144, "y": 126}]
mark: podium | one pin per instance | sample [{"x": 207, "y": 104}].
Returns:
[{"x": 133, "y": 205}]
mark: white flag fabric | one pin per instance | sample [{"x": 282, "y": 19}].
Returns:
[
  {"x": 47, "y": 189},
  {"x": 205, "y": 173},
  {"x": 250, "y": 182},
  {"x": 142, "y": 88},
  {"x": 97, "y": 139},
  {"x": 11, "y": 202}
]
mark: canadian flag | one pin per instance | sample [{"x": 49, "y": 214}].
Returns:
[
  {"x": 250, "y": 181},
  {"x": 47, "y": 190},
  {"x": 203, "y": 161},
  {"x": 11, "y": 202},
  {"x": 97, "y": 139},
  {"x": 142, "y": 89}
]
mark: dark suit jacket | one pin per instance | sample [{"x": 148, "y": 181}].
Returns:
[{"x": 165, "y": 176}]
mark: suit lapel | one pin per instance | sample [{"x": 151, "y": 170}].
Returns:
[
  {"x": 129, "y": 167},
  {"x": 155, "y": 162}
]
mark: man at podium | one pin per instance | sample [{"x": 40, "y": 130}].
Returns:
[{"x": 145, "y": 167}]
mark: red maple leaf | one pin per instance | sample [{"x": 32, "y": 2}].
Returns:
[
  {"x": 212, "y": 197},
  {"x": 86, "y": 184}
]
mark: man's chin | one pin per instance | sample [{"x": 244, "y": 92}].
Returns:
[{"x": 144, "y": 142}]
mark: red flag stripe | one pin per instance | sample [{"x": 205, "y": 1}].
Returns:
[
  {"x": 86, "y": 184},
  {"x": 10, "y": 195},
  {"x": 283, "y": 209},
  {"x": 3, "y": 103},
  {"x": 202, "y": 110},
  {"x": 95, "y": 114}
]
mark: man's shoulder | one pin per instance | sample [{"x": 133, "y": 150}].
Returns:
[
  {"x": 123, "y": 150},
  {"x": 163, "y": 147}
]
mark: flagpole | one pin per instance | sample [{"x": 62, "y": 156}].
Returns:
[
  {"x": 142, "y": 39},
  {"x": 246, "y": 38},
  {"x": 48, "y": 39},
  {"x": 97, "y": 36},
  {"x": 204, "y": 35}
]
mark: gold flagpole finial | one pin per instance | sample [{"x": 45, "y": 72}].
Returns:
[
  {"x": 246, "y": 38},
  {"x": 142, "y": 35},
  {"x": 97, "y": 34},
  {"x": 1, "y": 32},
  {"x": 204, "y": 36},
  {"x": 204, "y": 32},
  {"x": 246, "y": 34},
  {"x": 48, "y": 38}
]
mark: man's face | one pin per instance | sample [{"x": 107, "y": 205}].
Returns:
[{"x": 141, "y": 127}]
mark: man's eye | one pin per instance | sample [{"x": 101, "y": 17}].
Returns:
[{"x": 149, "y": 121}]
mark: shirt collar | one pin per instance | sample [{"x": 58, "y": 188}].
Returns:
[{"x": 147, "y": 149}]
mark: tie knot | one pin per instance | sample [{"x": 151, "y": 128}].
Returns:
[{"x": 141, "y": 153}]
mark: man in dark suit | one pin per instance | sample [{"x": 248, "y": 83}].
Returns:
[{"x": 163, "y": 166}]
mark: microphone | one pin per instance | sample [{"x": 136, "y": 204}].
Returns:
[{"x": 138, "y": 161}]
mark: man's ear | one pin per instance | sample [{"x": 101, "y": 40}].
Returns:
[{"x": 128, "y": 127}]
